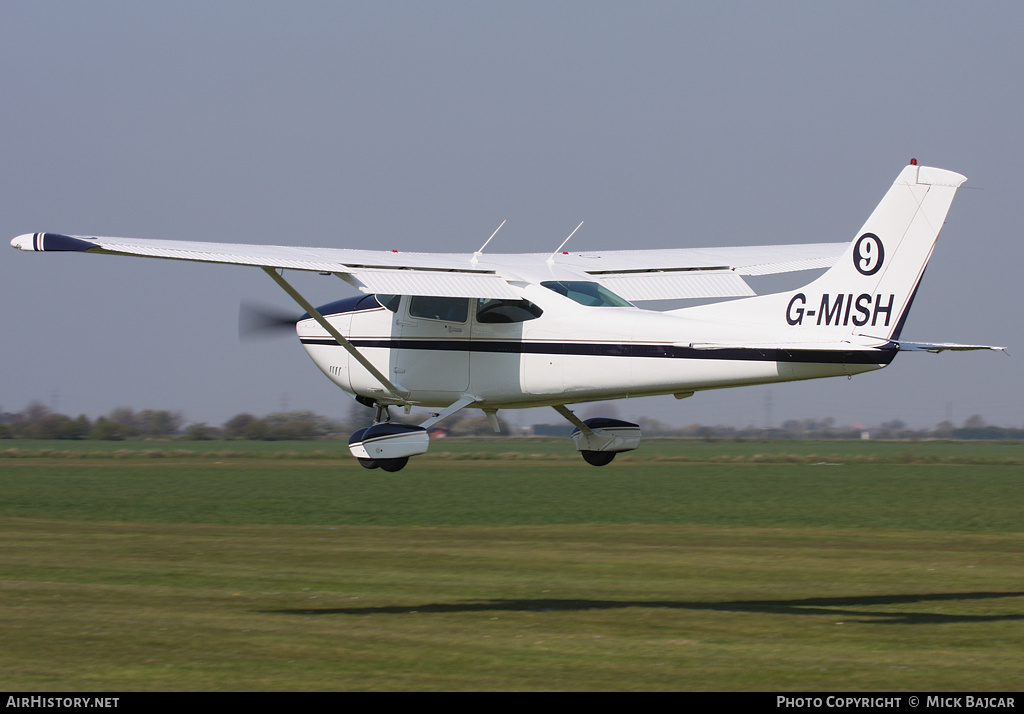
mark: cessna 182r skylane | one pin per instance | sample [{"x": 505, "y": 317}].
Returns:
[{"x": 490, "y": 331}]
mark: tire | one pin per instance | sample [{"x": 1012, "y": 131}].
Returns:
[
  {"x": 392, "y": 465},
  {"x": 368, "y": 463},
  {"x": 598, "y": 458}
]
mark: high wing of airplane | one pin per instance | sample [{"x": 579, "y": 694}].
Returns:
[{"x": 503, "y": 331}]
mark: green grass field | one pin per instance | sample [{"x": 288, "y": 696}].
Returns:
[{"x": 512, "y": 565}]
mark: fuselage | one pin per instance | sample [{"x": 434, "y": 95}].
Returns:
[{"x": 552, "y": 349}]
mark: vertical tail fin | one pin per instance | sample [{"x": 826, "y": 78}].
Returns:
[{"x": 871, "y": 287}]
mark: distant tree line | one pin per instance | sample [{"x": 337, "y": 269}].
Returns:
[
  {"x": 974, "y": 427},
  {"x": 38, "y": 421}
]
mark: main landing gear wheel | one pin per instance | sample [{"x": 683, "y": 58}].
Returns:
[
  {"x": 598, "y": 458},
  {"x": 368, "y": 463},
  {"x": 392, "y": 465}
]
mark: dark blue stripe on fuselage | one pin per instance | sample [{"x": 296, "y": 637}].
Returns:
[{"x": 881, "y": 356}]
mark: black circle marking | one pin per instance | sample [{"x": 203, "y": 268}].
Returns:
[{"x": 868, "y": 254}]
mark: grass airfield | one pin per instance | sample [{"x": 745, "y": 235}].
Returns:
[{"x": 512, "y": 565}]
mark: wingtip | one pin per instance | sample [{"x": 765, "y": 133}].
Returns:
[
  {"x": 51, "y": 242},
  {"x": 23, "y": 242}
]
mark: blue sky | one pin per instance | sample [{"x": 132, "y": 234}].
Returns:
[{"x": 424, "y": 125}]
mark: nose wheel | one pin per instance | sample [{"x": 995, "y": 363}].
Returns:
[
  {"x": 389, "y": 465},
  {"x": 387, "y": 445},
  {"x": 598, "y": 458}
]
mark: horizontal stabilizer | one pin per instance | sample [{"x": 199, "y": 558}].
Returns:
[{"x": 942, "y": 347}]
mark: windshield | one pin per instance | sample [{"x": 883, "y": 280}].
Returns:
[{"x": 586, "y": 293}]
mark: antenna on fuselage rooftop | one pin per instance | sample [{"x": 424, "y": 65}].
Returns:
[
  {"x": 481, "y": 251},
  {"x": 551, "y": 258}
]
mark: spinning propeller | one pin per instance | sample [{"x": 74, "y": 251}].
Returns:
[{"x": 259, "y": 321}]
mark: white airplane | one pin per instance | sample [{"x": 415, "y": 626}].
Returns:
[{"x": 507, "y": 331}]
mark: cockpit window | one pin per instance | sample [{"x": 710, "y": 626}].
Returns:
[
  {"x": 389, "y": 301},
  {"x": 492, "y": 312},
  {"x": 586, "y": 293},
  {"x": 449, "y": 309}
]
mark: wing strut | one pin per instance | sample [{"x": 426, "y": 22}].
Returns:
[
  {"x": 401, "y": 393},
  {"x": 575, "y": 420},
  {"x": 462, "y": 403}
]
